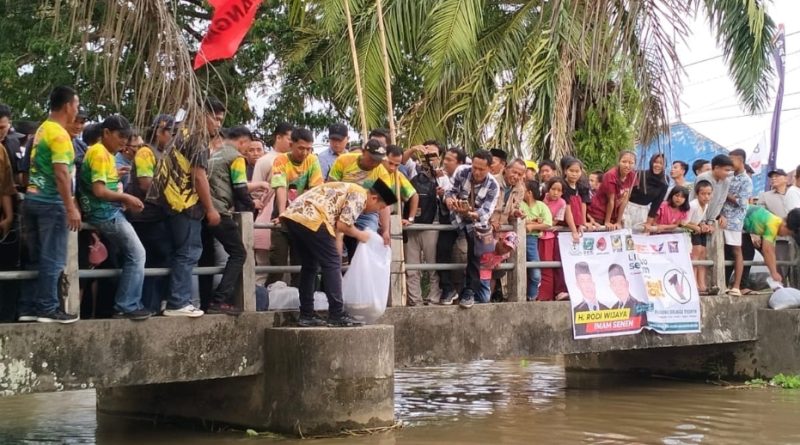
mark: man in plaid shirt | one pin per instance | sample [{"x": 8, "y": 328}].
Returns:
[{"x": 472, "y": 200}]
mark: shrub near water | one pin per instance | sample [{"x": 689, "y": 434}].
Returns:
[{"x": 780, "y": 380}]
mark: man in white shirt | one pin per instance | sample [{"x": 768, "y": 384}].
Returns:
[
  {"x": 281, "y": 143},
  {"x": 780, "y": 200}
]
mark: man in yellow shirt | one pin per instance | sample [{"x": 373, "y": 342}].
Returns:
[
  {"x": 316, "y": 221},
  {"x": 50, "y": 211}
]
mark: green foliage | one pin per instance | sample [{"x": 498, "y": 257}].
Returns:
[
  {"x": 786, "y": 381},
  {"x": 608, "y": 128}
]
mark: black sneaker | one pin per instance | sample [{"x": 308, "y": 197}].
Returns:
[
  {"x": 311, "y": 321},
  {"x": 57, "y": 316},
  {"x": 344, "y": 320},
  {"x": 138, "y": 314},
  {"x": 448, "y": 297},
  {"x": 223, "y": 308},
  {"x": 467, "y": 299}
]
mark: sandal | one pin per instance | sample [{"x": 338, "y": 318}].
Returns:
[
  {"x": 703, "y": 292},
  {"x": 734, "y": 292},
  {"x": 563, "y": 296},
  {"x": 748, "y": 292}
]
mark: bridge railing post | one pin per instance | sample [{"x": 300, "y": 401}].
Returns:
[
  {"x": 717, "y": 255},
  {"x": 518, "y": 277},
  {"x": 246, "y": 296},
  {"x": 70, "y": 286},
  {"x": 397, "y": 283},
  {"x": 793, "y": 271}
]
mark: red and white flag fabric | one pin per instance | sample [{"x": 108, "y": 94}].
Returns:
[{"x": 229, "y": 24}]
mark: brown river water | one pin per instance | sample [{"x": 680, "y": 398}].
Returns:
[{"x": 484, "y": 402}]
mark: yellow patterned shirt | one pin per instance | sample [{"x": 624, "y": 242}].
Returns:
[
  {"x": 51, "y": 145},
  {"x": 98, "y": 166},
  {"x": 346, "y": 169},
  {"x": 327, "y": 204}
]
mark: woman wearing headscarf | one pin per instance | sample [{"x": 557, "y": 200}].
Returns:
[{"x": 647, "y": 195}]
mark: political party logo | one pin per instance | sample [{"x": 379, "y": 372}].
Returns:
[
  {"x": 616, "y": 243},
  {"x": 677, "y": 286},
  {"x": 575, "y": 249},
  {"x": 673, "y": 247},
  {"x": 602, "y": 244},
  {"x": 657, "y": 248},
  {"x": 588, "y": 244},
  {"x": 630, "y": 246},
  {"x": 654, "y": 289}
]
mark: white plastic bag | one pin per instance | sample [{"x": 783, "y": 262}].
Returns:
[
  {"x": 365, "y": 285},
  {"x": 785, "y": 298},
  {"x": 283, "y": 297}
]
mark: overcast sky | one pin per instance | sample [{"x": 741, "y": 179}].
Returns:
[{"x": 709, "y": 103}]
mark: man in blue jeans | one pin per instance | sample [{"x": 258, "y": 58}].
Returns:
[
  {"x": 50, "y": 211},
  {"x": 101, "y": 202},
  {"x": 182, "y": 181},
  {"x": 472, "y": 200}
]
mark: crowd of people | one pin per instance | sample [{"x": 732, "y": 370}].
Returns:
[{"x": 167, "y": 198}]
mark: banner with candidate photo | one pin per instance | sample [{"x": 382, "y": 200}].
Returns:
[{"x": 620, "y": 283}]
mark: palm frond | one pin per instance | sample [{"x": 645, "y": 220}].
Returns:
[{"x": 746, "y": 36}]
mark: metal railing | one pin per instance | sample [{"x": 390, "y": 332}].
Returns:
[{"x": 517, "y": 265}]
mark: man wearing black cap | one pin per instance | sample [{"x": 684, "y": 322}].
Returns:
[
  {"x": 499, "y": 161},
  {"x": 780, "y": 200},
  {"x": 150, "y": 224},
  {"x": 338, "y": 140},
  {"x": 181, "y": 180},
  {"x": 315, "y": 221},
  {"x": 102, "y": 202}
]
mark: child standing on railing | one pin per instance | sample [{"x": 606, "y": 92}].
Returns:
[
  {"x": 537, "y": 219},
  {"x": 553, "y": 285},
  {"x": 701, "y": 227}
]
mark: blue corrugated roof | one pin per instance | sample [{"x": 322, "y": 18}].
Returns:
[{"x": 684, "y": 143}]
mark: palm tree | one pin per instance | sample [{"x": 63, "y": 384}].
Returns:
[{"x": 517, "y": 73}]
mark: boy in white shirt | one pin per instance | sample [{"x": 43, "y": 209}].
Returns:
[{"x": 701, "y": 226}]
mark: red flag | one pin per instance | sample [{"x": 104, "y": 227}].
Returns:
[{"x": 229, "y": 24}]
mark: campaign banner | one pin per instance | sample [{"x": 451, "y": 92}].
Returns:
[{"x": 620, "y": 283}]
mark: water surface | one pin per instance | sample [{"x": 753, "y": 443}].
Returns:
[{"x": 483, "y": 402}]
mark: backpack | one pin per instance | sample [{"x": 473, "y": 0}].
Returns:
[{"x": 428, "y": 202}]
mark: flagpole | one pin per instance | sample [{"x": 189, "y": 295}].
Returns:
[
  {"x": 359, "y": 91},
  {"x": 387, "y": 75},
  {"x": 780, "y": 67}
]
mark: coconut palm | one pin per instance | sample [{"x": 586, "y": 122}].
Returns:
[{"x": 518, "y": 73}]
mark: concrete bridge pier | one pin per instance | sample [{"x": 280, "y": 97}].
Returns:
[
  {"x": 774, "y": 351},
  {"x": 314, "y": 381}
]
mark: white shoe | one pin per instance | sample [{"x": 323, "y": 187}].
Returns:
[
  {"x": 186, "y": 311},
  {"x": 23, "y": 318}
]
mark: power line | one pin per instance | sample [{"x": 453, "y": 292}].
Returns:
[
  {"x": 697, "y": 62},
  {"x": 723, "y": 107},
  {"x": 739, "y": 116},
  {"x": 748, "y": 138}
]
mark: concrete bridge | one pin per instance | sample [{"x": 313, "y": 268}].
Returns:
[
  {"x": 112, "y": 353},
  {"x": 238, "y": 370},
  {"x": 258, "y": 371}
]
